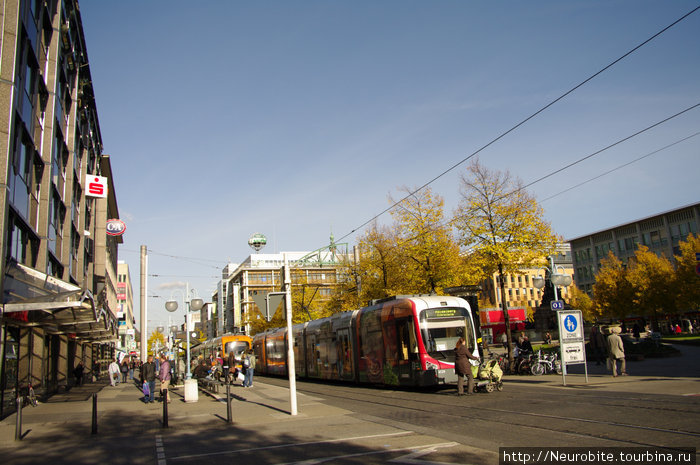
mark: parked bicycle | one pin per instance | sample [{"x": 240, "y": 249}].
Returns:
[
  {"x": 502, "y": 360},
  {"x": 523, "y": 363},
  {"x": 545, "y": 363}
]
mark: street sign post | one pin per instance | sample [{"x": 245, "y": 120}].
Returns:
[{"x": 572, "y": 340}]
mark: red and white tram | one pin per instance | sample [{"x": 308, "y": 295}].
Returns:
[{"x": 406, "y": 340}]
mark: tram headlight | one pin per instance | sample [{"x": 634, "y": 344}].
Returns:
[{"x": 431, "y": 366}]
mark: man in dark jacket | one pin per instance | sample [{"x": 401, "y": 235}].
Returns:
[{"x": 148, "y": 375}]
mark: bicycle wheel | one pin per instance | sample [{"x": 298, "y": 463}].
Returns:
[
  {"x": 524, "y": 367},
  {"x": 537, "y": 369}
]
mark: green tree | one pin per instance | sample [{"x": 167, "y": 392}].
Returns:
[
  {"x": 686, "y": 280},
  {"x": 504, "y": 224}
]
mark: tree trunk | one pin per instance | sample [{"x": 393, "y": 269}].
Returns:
[{"x": 506, "y": 317}]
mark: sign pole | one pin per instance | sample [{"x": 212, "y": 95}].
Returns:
[
  {"x": 561, "y": 352},
  {"x": 572, "y": 340}
]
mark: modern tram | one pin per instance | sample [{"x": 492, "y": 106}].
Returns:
[
  {"x": 399, "y": 341},
  {"x": 221, "y": 346}
]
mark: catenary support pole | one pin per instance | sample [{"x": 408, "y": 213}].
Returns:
[
  {"x": 144, "y": 320},
  {"x": 290, "y": 338}
]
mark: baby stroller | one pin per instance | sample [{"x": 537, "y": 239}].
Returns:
[{"x": 488, "y": 376}]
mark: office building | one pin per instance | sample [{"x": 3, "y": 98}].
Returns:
[
  {"x": 59, "y": 265},
  {"x": 662, "y": 233}
]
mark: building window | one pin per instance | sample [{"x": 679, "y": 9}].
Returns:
[
  {"x": 57, "y": 214},
  {"x": 22, "y": 243}
]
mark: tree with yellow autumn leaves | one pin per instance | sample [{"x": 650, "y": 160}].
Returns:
[
  {"x": 416, "y": 254},
  {"x": 502, "y": 226},
  {"x": 648, "y": 285}
]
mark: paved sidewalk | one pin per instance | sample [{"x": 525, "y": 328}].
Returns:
[{"x": 131, "y": 432}]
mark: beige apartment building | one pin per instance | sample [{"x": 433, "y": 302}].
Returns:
[
  {"x": 520, "y": 291},
  {"x": 128, "y": 333},
  {"x": 233, "y": 306}
]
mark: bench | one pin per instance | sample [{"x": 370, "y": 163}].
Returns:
[{"x": 209, "y": 384}]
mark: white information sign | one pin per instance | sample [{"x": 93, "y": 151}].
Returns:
[
  {"x": 573, "y": 352},
  {"x": 571, "y": 325},
  {"x": 571, "y": 340}
]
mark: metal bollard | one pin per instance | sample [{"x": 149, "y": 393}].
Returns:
[
  {"x": 18, "y": 424},
  {"x": 229, "y": 417},
  {"x": 165, "y": 408},
  {"x": 94, "y": 413}
]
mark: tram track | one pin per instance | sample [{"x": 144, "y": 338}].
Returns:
[{"x": 520, "y": 414}]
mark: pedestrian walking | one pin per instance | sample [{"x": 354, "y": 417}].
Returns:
[
  {"x": 148, "y": 376},
  {"x": 165, "y": 376},
  {"x": 249, "y": 367},
  {"x": 78, "y": 373},
  {"x": 463, "y": 367},
  {"x": 504, "y": 340},
  {"x": 616, "y": 351},
  {"x": 113, "y": 371},
  {"x": 231, "y": 367},
  {"x": 124, "y": 368},
  {"x": 132, "y": 365},
  {"x": 596, "y": 342}
]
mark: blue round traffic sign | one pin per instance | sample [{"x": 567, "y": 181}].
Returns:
[{"x": 570, "y": 323}]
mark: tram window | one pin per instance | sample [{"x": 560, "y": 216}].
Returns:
[{"x": 442, "y": 336}]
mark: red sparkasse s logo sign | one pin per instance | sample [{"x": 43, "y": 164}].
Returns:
[
  {"x": 96, "y": 186},
  {"x": 115, "y": 227}
]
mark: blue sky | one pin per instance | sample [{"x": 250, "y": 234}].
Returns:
[{"x": 295, "y": 118}]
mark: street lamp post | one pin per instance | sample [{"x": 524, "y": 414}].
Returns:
[
  {"x": 557, "y": 279},
  {"x": 195, "y": 304}
]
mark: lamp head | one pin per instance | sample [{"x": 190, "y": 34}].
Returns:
[
  {"x": 538, "y": 282},
  {"x": 196, "y": 304},
  {"x": 560, "y": 279},
  {"x": 171, "y": 305}
]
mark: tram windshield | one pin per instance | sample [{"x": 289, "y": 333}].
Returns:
[
  {"x": 237, "y": 347},
  {"x": 442, "y": 327}
]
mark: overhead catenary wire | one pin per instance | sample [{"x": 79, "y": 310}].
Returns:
[
  {"x": 620, "y": 167},
  {"x": 611, "y": 145},
  {"x": 516, "y": 126},
  {"x": 466, "y": 214}
]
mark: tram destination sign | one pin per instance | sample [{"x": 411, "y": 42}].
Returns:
[{"x": 443, "y": 312}]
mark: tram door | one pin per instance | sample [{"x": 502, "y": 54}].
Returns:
[
  {"x": 345, "y": 368},
  {"x": 402, "y": 350},
  {"x": 312, "y": 356}
]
